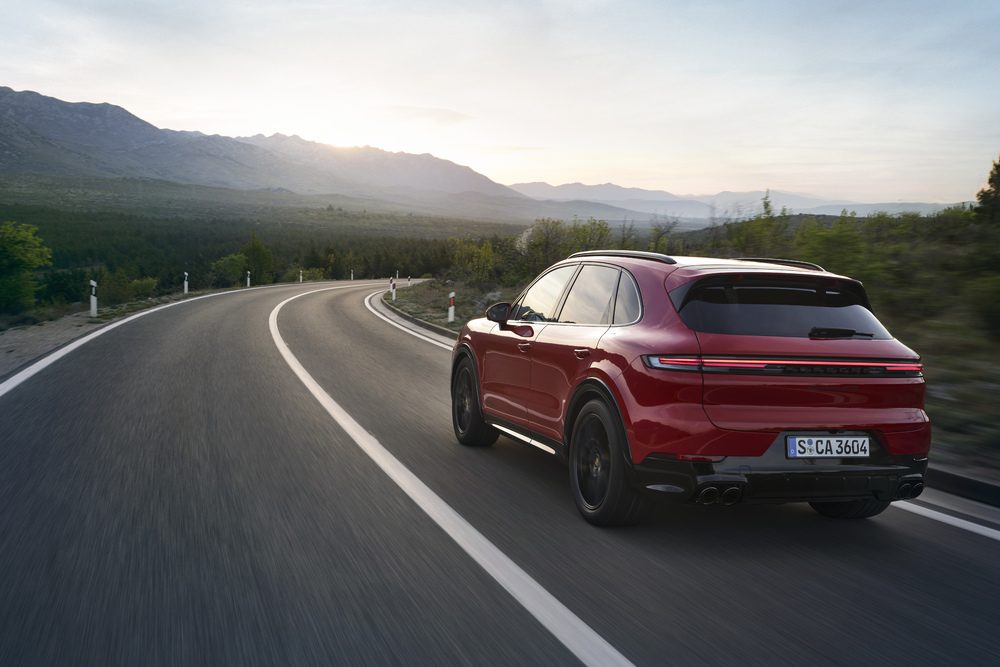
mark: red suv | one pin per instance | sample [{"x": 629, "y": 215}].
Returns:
[{"x": 704, "y": 380}]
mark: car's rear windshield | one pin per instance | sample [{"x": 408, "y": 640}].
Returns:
[{"x": 769, "y": 307}]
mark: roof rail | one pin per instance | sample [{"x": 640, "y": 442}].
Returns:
[
  {"x": 787, "y": 262},
  {"x": 635, "y": 254}
]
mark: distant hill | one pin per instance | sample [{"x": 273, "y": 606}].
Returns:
[
  {"x": 369, "y": 168},
  {"x": 64, "y": 144},
  {"x": 722, "y": 205},
  {"x": 46, "y": 136},
  {"x": 608, "y": 192}
]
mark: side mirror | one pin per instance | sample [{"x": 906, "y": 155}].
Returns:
[{"x": 499, "y": 313}]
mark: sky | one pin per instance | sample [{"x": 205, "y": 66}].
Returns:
[{"x": 867, "y": 101}]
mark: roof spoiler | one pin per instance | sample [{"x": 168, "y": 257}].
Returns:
[
  {"x": 787, "y": 262},
  {"x": 634, "y": 254}
]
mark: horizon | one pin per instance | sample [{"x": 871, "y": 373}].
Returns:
[{"x": 850, "y": 104}]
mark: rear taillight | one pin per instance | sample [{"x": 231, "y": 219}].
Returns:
[{"x": 780, "y": 366}]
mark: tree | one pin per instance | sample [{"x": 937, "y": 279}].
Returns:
[
  {"x": 545, "y": 243},
  {"x": 988, "y": 210},
  {"x": 626, "y": 235},
  {"x": 764, "y": 235},
  {"x": 260, "y": 261},
  {"x": 659, "y": 235},
  {"x": 229, "y": 270},
  {"x": 591, "y": 235},
  {"x": 21, "y": 252}
]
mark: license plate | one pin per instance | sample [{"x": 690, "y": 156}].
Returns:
[{"x": 827, "y": 447}]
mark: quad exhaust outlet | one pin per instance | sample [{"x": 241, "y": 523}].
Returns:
[
  {"x": 908, "y": 491},
  {"x": 708, "y": 495},
  {"x": 712, "y": 494}
]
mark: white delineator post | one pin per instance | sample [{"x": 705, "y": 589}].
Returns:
[
  {"x": 300, "y": 275},
  {"x": 392, "y": 288},
  {"x": 93, "y": 298},
  {"x": 451, "y": 307},
  {"x": 185, "y": 282},
  {"x": 407, "y": 281},
  {"x": 248, "y": 279},
  {"x": 352, "y": 274}
]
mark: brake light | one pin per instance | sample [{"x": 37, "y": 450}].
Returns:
[
  {"x": 782, "y": 366},
  {"x": 917, "y": 368},
  {"x": 675, "y": 363}
]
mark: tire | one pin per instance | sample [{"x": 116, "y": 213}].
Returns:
[
  {"x": 851, "y": 509},
  {"x": 466, "y": 415},
  {"x": 598, "y": 480}
]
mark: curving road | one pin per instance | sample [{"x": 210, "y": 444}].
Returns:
[{"x": 172, "y": 493}]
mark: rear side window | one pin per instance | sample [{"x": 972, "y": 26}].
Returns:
[
  {"x": 540, "y": 301},
  {"x": 780, "y": 308},
  {"x": 627, "y": 308},
  {"x": 591, "y": 297}
]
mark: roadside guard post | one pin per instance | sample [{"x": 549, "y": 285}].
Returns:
[
  {"x": 248, "y": 279},
  {"x": 392, "y": 288},
  {"x": 300, "y": 275},
  {"x": 93, "y": 298},
  {"x": 451, "y": 307},
  {"x": 185, "y": 282}
]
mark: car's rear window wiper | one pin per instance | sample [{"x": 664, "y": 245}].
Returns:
[{"x": 834, "y": 332}]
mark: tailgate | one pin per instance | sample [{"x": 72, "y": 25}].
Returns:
[{"x": 799, "y": 352}]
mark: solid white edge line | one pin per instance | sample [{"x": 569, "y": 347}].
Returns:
[
  {"x": 416, "y": 334},
  {"x": 15, "y": 380},
  {"x": 588, "y": 646},
  {"x": 909, "y": 507},
  {"x": 970, "y": 526}
]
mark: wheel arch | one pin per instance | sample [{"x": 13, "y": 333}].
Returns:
[
  {"x": 588, "y": 389},
  {"x": 462, "y": 351}
]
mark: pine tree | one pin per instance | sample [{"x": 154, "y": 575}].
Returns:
[{"x": 988, "y": 210}]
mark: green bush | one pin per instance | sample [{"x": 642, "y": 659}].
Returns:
[
  {"x": 143, "y": 288},
  {"x": 983, "y": 296}
]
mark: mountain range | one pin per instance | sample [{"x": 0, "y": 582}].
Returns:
[
  {"x": 721, "y": 205},
  {"x": 44, "y": 137}
]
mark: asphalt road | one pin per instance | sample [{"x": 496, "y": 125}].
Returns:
[{"x": 171, "y": 493}]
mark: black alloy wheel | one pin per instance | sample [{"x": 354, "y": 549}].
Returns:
[
  {"x": 593, "y": 462},
  {"x": 597, "y": 460},
  {"x": 466, "y": 417}
]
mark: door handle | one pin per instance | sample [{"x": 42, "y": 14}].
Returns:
[
  {"x": 524, "y": 347},
  {"x": 581, "y": 353}
]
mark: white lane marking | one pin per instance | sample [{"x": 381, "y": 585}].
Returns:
[
  {"x": 369, "y": 306},
  {"x": 909, "y": 507},
  {"x": 970, "y": 526},
  {"x": 588, "y": 646},
  {"x": 13, "y": 381}
]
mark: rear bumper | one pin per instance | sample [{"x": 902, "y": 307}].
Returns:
[{"x": 772, "y": 478}]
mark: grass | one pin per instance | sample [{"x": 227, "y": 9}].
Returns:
[{"x": 429, "y": 301}]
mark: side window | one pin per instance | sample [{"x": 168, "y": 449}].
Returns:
[
  {"x": 591, "y": 296},
  {"x": 540, "y": 301},
  {"x": 627, "y": 308}
]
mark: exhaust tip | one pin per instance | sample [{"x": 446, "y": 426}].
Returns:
[
  {"x": 708, "y": 495},
  {"x": 732, "y": 495},
  {"x": 903, "y": 491},
  {"x": 917, "y": 489}
]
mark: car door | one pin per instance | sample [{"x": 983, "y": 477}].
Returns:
[
  {"x": 506, "y": 372},
  {"x": 565, "y": 349}
]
